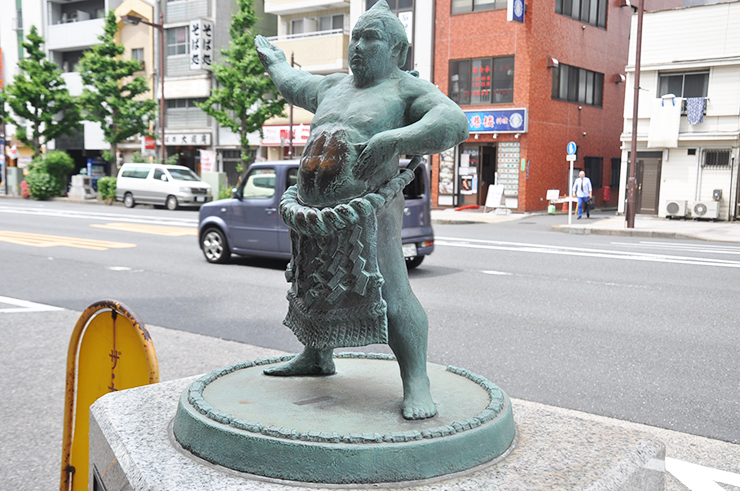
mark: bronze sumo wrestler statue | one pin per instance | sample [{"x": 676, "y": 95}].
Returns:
[{"x": 350, "y": 285}]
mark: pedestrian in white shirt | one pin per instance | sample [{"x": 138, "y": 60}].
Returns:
[{"x": 583, "y": 190}]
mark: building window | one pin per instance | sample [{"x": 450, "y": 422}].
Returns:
[
  {"x": 177, "y": 41},
  {"x": 579, "y": 85},
  {"x": 593, "y": 167},
  {"x": 137, "y": 54},
  {"x": 482, "y": 80},
  {"x": 716, "y": 157},
  {"x": 331, "y": 22},
  {"x": 467, "y": 6},
  {"x": 589, "y": 11},
  {"x": 616, "y": 168},
  {"x": 685, "y": 85},
  {"x": 183, "y": 113}
]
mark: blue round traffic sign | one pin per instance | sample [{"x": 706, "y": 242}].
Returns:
[{"x": 571, "y": 148}]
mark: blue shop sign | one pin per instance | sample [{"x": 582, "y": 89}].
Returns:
[{"x": 499, "y": 121}]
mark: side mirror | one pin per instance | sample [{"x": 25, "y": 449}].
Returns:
[
  {"x": 236, "y": 194},
  {"x": 164, "y": 178}
]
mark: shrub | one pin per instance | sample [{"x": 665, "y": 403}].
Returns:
[
  {"x": 40, "y": 185},
  {"x": 24, "y": 190},
  {"x": 57, "y": 166},
  {"x": 107, "y": 188}
]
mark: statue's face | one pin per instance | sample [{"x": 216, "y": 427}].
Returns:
[{"x": 370, "y": 52}]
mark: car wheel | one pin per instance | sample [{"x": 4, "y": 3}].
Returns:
[
  {"x": 128, "y": 200},
  {"x": 414, "y": 262},
  {"x": 214, "y": 246},
  {"x": 171, "y": 203}
]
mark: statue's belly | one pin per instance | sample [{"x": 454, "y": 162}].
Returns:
[{"x": 325, "y": 173}]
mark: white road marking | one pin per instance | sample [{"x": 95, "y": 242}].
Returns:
[
  {"x": 705, "y": 248},
  {"x": 580, "y": 251},
  {"x": 699, "y": 478},
  {"x": 24, "y": 306},
  {"x": 182, "y": 222},
  {"x": 120, "y": 268},
  {"x": 501, "y": 273}
]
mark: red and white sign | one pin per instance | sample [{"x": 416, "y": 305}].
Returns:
[
  {"x": 278, "y": 135},
  {"x": 207, "y": 161},
  {"x": 148, "y": 146}
]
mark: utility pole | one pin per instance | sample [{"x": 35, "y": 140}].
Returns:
[{"x": 632, "y": 182}]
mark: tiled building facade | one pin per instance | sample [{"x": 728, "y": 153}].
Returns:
[{"x": 528, "y": 89}]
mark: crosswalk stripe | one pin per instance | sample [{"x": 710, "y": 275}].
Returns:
[
  {"x": 40, "y": 240},
  {"x": 148, "y": 229}
]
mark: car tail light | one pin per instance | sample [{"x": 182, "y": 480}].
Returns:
[{"x": 427, "y": 243}]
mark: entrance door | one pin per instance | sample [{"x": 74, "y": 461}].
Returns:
[
  {"x": 487, "y": 172},
  {"x": 648, "y": 186}
]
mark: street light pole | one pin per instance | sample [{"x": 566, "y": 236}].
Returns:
[
  {"x": 632, "y": 182},
  {"x": 135, "y": 20}
]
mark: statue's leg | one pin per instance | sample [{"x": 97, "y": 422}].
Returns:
[
  {"x": 310, "y": 361},
  {"x": 407, "y": 322}
]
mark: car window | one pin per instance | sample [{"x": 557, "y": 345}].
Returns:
[
  {"x": 183, "y": 175},
  {"x": 415, "y": 189},
  {"x": 158, "y": 173},
  {"x": 136, "y": 172},
  {"x": 292, "y": 177},
  {"x": 260, "y": 183}
]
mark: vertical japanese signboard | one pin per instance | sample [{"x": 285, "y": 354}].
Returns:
[
  {"x": 201, "y": 44},
  {"x": 2, "y": 83}
]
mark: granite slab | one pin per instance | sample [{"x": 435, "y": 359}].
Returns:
[{"x": 131, "y": 448}]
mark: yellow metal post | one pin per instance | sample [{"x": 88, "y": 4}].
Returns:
[{"x": 110, "y": 350}]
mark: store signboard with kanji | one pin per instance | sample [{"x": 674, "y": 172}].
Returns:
[
  {"x": 497, "y": 121},
  {"x": 201, "y": 44}
]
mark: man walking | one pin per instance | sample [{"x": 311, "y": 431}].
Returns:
[{"x": 583, "y": 190}]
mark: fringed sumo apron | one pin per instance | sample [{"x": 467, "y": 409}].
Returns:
[{"x": 335, "y": 299}]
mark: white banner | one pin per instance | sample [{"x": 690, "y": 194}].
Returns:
[
  {"x": 207, "y": 161},
  {"x": 278, "y": 135}
]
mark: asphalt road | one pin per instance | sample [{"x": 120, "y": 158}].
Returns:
[{"x": 634, "y": 329}]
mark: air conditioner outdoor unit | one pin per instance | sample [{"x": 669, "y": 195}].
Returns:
[
  {"x": 675, "y": 208},
  {"x": 705, "y": 209}
]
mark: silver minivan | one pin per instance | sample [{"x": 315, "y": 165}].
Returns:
[{"x": 161, "y": 185}]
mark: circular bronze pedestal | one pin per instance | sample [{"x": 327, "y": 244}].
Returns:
[{"x": 344, "y": 428}]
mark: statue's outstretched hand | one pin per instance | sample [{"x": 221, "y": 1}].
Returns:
[
  {"x": 269, "y": 53},
  {"x": 373, "y": 154}
]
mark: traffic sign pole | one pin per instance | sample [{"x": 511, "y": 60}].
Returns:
[{"x": 570, "y": 157}]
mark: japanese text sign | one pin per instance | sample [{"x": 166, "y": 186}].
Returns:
[
  {"x": 511, "y": 120},
  {"x": 201, "y": 44}
]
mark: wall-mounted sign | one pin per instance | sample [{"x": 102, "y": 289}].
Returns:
[
  {"x": 407, "y": 19},
  {"x": 148, "y": 146},
  {"x": 201, "y": 44},
  {"x": 278, "y": 135},
  {"x": 515, "y": 10},
  {"x": 497, "y": 121},
  {"x": 2, "y": 84},
  {"x": 187, "y": 139}
]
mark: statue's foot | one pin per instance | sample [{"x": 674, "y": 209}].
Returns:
[
  {"x": 308, "y": 362},
  {"x": 418, "y": 403}
]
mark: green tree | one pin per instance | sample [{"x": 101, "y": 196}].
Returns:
[
  {"x": 39, "y": 95},
  {"x": 246, "y": 97},
  {"x": 47, "y": 174},
  {"x": 110, "y": 92}
]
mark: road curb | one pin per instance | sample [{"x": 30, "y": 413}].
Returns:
[{"x": 650, "y": 234}]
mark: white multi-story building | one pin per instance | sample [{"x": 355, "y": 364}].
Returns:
[{"x": 688, "y": 128}]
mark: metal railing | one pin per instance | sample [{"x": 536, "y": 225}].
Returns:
[{"x": 308, "y": 35}]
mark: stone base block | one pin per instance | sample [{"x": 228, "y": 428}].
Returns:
[{"x": 132, "y": 447}]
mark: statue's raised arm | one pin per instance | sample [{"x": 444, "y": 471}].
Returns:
[{"x": 297, "y": 87}]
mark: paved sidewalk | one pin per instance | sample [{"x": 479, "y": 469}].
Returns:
[{"x": 645, "y": 226}]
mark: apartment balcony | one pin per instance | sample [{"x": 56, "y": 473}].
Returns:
[
  {"x": 185, "y": 10},
  {"x": 287, "y": 7},
  {"x": 74, "y": 35},
  {"x": 317, "y": 52}
]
